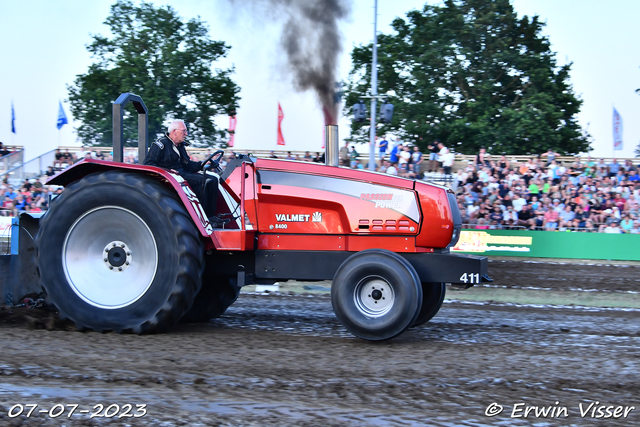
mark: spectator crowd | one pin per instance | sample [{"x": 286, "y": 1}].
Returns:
[
  {"x": 545, "y": 194},
  {"x": 31, "y": 196},
  {"x": 542, "y": 193}
]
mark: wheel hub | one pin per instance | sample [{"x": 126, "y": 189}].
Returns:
[
  {"x": 85, "y": 255},
  {"x": 374, "y": 296},
  {"x": 118, "y": 256}
]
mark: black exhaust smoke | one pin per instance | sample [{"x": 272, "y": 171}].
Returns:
[{"x": 311, "y": 41}]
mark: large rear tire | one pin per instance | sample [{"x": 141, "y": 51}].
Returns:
[
  {"x": 118, "y": 251},
  {"x": 432, "y": 299},
  {"x": 376, "y": 294}
]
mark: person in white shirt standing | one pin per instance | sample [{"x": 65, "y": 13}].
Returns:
[
  {"x": 447, "y": 161},
  {"x": 404, "y": 156},
  {"x": 442, "y": 152}
]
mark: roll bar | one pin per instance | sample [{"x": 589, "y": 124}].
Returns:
[{"x": 118, "y": 129}]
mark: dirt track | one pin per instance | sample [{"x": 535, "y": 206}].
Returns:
[
  {"x": 564, "y": 276},
  {"x": 280, "y": 360}
]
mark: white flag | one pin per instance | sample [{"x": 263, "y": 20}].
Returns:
[{"x": 617, "y": 130}]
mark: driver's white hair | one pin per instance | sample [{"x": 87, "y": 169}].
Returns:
[{"x": 175, "y": 125}]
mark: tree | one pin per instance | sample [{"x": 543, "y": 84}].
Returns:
[
  {"x": 167, "y": 61},
  {"x": 472, "y": 74}
]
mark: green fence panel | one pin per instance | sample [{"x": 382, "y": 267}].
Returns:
[{"x": 550, "y": 244}]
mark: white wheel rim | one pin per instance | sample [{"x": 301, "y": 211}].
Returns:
[
  {"x": 130, "y": 268},
  {"x": 374, "y": 296}
]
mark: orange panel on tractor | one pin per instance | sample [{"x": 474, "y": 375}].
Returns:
[
  {"x": 436, "y": 232},
  {"x": 298, "y": 203}
]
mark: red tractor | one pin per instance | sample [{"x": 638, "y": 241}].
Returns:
[{"x": 128, "y": 248}]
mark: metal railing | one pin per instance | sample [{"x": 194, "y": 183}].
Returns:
[
  {"x": 11, "y": 160},
  {"x": 446, "y": 180},
  {"x": 31, "y": 169}
]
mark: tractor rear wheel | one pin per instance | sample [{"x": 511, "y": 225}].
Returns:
[
  {"x": 118, "y": 251},
  {"x": 215, "y": 297},
  {"x": 432, "y": 299},
  {"x": 376, "y": 294}
]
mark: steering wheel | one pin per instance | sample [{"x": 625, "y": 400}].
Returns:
[{"x": 215, "y": 162}]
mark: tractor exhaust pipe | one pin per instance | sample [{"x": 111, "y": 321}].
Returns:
[{"x": 331, "y": 145}]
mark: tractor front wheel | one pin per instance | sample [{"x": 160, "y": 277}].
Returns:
[
  {"x": 376, "y": 294},
  {"x": 432, "y": 299}
]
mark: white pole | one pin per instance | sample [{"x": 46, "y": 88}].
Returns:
[{"x": 374, "y": 90}]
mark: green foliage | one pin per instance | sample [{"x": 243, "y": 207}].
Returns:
[
  {"x": 472, "y": 74},
  {"x": 167, "y": 61}
]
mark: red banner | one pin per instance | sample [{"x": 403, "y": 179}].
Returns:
[
  {"x": 280, "y": 118},
  {"x": 232, "y": 130}
]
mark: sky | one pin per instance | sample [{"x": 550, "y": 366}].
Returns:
[{"x": 43, "y": 49}]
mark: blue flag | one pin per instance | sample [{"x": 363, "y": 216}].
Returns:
[
  {"x": 62, "y": 117},
  {"x": 13, "y": 119}
]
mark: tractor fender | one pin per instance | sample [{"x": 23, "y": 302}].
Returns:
[{"x": 180, "y": 186}]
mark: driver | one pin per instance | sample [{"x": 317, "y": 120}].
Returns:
[{"x": 169, "y": 152}]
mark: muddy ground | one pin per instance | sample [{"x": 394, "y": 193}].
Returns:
[{"x": 284, "y": 360}]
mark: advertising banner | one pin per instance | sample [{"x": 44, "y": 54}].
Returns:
[{"x": 550, "y": 244}]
